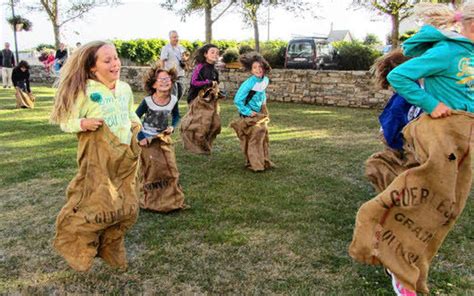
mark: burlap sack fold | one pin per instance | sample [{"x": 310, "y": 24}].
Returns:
[
  {"x": 202, "y": 123},
  {"x": 254, "y": 141},
  {"x": 382, "y": 167},
  {"x": 101, "y": 201},
  {"x": 24, "y": 100},
  {"x": 404, "y": 226},
  {"x": 161, "y": 190}
]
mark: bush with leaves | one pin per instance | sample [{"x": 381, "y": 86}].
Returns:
[
  {"x": 230, "y": 55},
  {"x": 407, "y": 35},
  {"x": 355, "y": 55},
  {"x": 147, "y": 51},
  {"x": 41, "y": 47},
  {"x": 245, "y": 48}
]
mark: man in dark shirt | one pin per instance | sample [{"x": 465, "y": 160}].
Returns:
[{"x": 7, "y": 62}]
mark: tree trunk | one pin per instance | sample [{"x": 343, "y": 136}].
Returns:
[
  {"x": 57, "y": 38},
  {"x": 208, "y": 23},
  {"x": 256, "y": 34},
  {"x": 395, "y": 30}
]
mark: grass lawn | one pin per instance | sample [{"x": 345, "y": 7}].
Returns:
[{"x": 285, "y": 231}]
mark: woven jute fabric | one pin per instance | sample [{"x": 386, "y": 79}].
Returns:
[
  {"x": 202, "y": 123},
  {"x": 254, "y": 141},
  {"x": 382, "y": 167},
  {"x": 24, "y": 100},
  {"x": 404, "y": 226},
  {"x": 102, "y": 201},
  {"x": 161, "y": 191}
]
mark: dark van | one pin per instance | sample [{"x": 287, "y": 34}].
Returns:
[{"x": 310, "y": 53}]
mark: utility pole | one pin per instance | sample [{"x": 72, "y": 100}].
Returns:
[
  {"x": 14, "y": 31},
  {"x": 268, "y": 24}
]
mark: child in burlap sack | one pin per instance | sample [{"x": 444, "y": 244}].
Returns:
[
  {"x": 250, "y": 100},
  {"x": 101, "y": 200},
  {"x": 383, "y": 166},
  {"x": 205, "y": 73},
  {"x": 404, "y": 226},
  {"x": 161, "y": 189},
  {"x": 21, "y": 82}
]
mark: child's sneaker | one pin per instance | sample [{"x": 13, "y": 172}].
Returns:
[{"x": 398, "y": 287}]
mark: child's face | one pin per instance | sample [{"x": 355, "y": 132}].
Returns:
[
  {"x": 107, "y": 65},
  {"x": 163, "y": 82},
  {"x": 212, "y": 55},
  {"x": 257, "y": 69}
]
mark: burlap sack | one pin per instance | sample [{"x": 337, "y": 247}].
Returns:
[
  {"x": 24, "y": 100},
  {"x": 161, "y": 190},
  {"x": 404, "y": 226},
  {"x": 254, "y": 142},
  {"x": 101, "y": 201},
  {"x": 383, "y": 167},
  {"x": 201, "y": 125}
]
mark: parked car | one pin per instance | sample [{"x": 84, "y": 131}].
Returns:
[{"x": 310, "y": 53}]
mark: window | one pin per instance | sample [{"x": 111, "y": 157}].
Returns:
[{"x": 300, "y": 49}]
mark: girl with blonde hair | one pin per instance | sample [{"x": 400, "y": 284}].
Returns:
[
  {"x": 444, "y": 59},
  {"x": 102, "y": 202}
]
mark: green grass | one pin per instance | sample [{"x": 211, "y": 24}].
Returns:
[{"x": 285, "y": 231}]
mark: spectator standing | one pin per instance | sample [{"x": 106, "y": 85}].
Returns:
[
  {"x": 7, "y": 62},
  {"x": 172, "y": 57}
]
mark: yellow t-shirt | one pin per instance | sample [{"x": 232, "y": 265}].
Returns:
[{"x": 117, "y": 109}]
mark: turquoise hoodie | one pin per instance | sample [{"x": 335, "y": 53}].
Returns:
[
  {"x": 259, "y": 98},
  {"x": 446, "y": 62}
]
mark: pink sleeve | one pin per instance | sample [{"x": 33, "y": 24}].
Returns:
[{"x": 194, "y": 78}]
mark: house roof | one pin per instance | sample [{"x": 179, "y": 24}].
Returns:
[{"x": 338, "y": 35}]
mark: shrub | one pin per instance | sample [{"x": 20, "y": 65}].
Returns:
[
  {"x": 245, "y": 48},
  {"x": 274, "y": 52},
  {"x": 224, "y": 44},
  {"x": 355, "y": 55},
  {"x": 230, "y": 55},
  {"x": 407, "y": 35},
  {"x": 44, "y": 46}
]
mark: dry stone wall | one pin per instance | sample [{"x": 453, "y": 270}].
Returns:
[{"x": 329, "y": 88}]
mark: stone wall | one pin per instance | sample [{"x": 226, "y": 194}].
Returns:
[{"x": 329, "y": 88}]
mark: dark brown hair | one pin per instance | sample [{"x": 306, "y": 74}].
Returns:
[
  {"x": 249, "y": 58},
  {"x": 150, "y": 78},
  {"x": 384, "y": 65}
]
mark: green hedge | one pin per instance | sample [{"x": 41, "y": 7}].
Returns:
[
  {"x": 147, "y": 51},
  {"x": 355, "y": 55}
]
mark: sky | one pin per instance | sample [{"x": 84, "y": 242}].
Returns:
[{"x": 146, "y": 19}]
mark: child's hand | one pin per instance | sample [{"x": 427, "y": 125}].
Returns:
[
  {"x": 169, "y": 130},
  {"x": 441, "y": 111},
  {"x": 143, "y": 142},
  {"x": 253, "y": 114},
  {"x": 91, "y": 124}
]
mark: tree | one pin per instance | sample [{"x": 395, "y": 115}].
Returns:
[
  {"x": 62, "y": 12},
  {"x": 371, "y": 40},
  {"x": 250, "y": 11},
  {"x": 398, "y": 10},
  {"x": 185, "y": 8}
]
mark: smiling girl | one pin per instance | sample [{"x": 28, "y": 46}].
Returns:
[
  {"x": 90, "y": 93},
  {"x": 102, "y": 202},
  {"x": 158, "y": 105},
  {"x": 251, "y": 96},
  {"x": 204, "y": 73}
]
